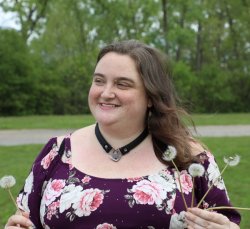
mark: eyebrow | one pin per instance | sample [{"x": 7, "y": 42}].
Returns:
[{"x": 117, "y": 79}]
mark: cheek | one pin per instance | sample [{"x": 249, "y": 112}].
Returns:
[
  {"x": 92, "y": 96},
  {"x": 137, "y": 102},
  {"x": 93, "y": 93}
]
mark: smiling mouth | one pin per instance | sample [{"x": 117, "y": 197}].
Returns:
[{"x": 108, "y": 105}]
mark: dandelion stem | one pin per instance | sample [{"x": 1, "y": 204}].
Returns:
[
  {"x": 178, "y": 172},
  {"x": 198, "y": 205},
  {"x": 192, "y": 202},
  {"x": 12, "y": 198},
  {"x": 226, "y": 207}
]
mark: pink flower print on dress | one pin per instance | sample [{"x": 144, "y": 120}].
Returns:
[
  {"x": 68, "y": 196},
  {"x": 70, "y": 166},
  {"x": 205, "y": 205},
  {"x": 87, "y": 201},
  {"x": 209, "y": 154},
  {"x": 53, "y": 209},
  {"x": 66, "y": 158},
  {"x": 105, "y": 226},
  {"x": 178, "y": 221},
  {"x": 48, "y": 158},
  {"x": 146, "y": 192},
  {"x": 186, "y": 182},
  {"x": 86, "y": 179},
  {"x": 165, "y": 172},
  {"x": 19, "y": 200},
  {"x": 54, "y": 189},
  {"x": 170, "y": 203}
]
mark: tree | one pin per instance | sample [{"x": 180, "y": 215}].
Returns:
[
  {"x": 31, "y": 15},
  {"x": 207, "y": 39},
  {"x": 17, "y": 81}
]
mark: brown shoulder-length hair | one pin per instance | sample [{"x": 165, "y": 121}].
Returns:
[{"x": 165, "y": 118}]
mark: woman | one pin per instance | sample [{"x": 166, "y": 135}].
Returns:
[{"x": 112, "y": 174}]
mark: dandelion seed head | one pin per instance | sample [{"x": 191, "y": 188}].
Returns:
[
  {"x": 196, "y": 170},
  {"x": 232, "y": 161},
  {"x": 169, "y": 154},
  {"x": 178, "y": 221},
  {"x": 7, "y": 182}
]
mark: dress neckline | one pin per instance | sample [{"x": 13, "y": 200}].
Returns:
[{"x": 67, "y": 156}]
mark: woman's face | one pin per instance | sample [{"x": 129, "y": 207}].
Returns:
[{"x": 117, "y": 94}]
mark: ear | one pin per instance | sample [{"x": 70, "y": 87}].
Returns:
[{"x": 150, "y": 104}]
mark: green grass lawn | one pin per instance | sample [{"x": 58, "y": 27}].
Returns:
[
  {"x": 78, "y": 121},
  {"x": 236, "y": 178},
  {"x": 222, "y": 119},
  {"x": 17, "y": 160},
  {"x": 46, "y": 122}
]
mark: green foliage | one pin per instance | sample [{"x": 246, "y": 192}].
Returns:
[
  {"x": 17, "y": 82},
  {"x": 240, "y": 86},
  {"x": 30, "y": 15},
  {"x": 214, "y": 89},
  {"x": 53, "y": 65},
  {"x": 186, "y": 83}
]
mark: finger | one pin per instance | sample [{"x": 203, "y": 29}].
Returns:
[
  {"x": 210, "y": 216},
  {"x": 23, "y": 213},
  {"x": 16, "y": 220},
  {"x": 26, "y": 214},
  {"x": 15, "y": 227},
  {"x": 203, "y": 222},
  {"x": 195, "y": 222}
]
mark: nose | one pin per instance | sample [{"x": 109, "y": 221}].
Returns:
[{"x": 108, "y": 92}]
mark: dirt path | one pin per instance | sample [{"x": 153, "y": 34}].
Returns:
[{"x": 41, "y": 136}]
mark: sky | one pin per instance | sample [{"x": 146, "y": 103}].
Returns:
[{"x": 7, "y": 20}]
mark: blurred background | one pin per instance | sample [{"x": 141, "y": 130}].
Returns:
[
  {"x": 48, "y": 50},
  {"x": 48, "y": 53}
]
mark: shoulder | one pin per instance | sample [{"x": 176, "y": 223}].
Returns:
[
  {"x": 59, "y": 139},
  {"x": 52, "y": 145},
  {"x": 83, "y": 133}
]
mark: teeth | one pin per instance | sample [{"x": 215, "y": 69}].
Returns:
[{"x": 108, "y": 105}]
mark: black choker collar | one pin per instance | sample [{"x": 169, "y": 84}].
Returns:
[{"x": 116, "y": 154}]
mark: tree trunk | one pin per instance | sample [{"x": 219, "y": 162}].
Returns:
[
  {"x": 181, "y": 23},
  {"x": 199, "y": 50},
  {"x": 232, "y": 31},
  {"x": 165, "y": 23}
]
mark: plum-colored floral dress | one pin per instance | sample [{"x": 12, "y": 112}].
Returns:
[{"x": 57, "y": 195}]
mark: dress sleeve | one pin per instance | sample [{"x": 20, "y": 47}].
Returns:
[
  {"x": 29, "y": 197},
  {"x": 218, "y": 195}
]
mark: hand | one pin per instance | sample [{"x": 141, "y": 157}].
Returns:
[
  {"x": 197, "y": 218},
  {"x": 18, "y": 221}
]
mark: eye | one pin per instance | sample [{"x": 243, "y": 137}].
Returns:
[
  {"x": 123, "y": 85},
  {"x": 98, "y": 81}
]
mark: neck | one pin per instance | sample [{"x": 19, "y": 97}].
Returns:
[
  {"x": 118, "y": 136},
  {"x": 116, "y": 153}
]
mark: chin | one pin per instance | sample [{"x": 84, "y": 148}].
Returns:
[{"x": 105, "y": 121}]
